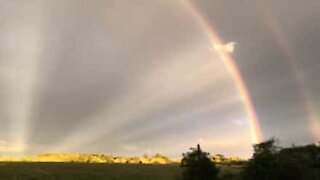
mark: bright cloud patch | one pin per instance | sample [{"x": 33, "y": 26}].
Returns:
[{"x": 229, "y": 47}]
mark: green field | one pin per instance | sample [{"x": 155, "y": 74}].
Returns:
[{"x": 90, "y": 171}]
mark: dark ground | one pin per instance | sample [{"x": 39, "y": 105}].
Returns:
[{"x": 91, "y": 171}]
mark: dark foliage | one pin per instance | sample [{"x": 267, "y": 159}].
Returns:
[
  {"x": 198, "y": 166},
  {"x": 273, "y": 163}
]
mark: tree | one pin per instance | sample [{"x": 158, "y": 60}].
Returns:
[
  {"x": 262, "y": 165},
  {"x": 198, "y": 166},
  {"x": 266, "y": 148},
  {"x": 270, "y": 162}
]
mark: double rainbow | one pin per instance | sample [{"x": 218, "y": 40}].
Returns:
[{"x": 228, "y": 61}]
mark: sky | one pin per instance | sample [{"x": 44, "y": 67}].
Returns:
[{"x": 140, "y": 77}]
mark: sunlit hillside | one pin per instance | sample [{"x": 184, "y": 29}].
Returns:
[{"x": 101, "y": 158}]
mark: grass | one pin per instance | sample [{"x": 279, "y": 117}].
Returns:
[
  {"x": 91, "y": 171},
  {"x": 82, "y": 171},
  {"x": 229, "y": 172}
]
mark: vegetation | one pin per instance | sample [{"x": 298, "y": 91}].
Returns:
[
  {"x": 198, "y": 165},
  {"x": 94, "y": 171},
  {"x": 272, "y": 162},
  {"x": 269, "y": 162},
  {"x": 102, "y": 158},
  {"x": 91, "y": 158},
  {"x": 87, "y": 171}
]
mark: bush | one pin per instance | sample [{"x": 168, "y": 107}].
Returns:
[{"x": 198, "y": 166}]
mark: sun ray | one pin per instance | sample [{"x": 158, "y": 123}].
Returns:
[{"x": 19, "y": 72}]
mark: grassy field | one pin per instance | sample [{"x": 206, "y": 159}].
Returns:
[
  {"x": 81, "y": 171},
  {"x": 55, "y": 171}
]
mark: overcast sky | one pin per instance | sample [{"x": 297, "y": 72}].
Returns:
[{"x": 133, "y": 77}]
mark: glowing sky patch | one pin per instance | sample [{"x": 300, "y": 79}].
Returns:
[{"x": 14, "y": 148}]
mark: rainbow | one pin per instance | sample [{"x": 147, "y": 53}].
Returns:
[
  {"x": 282, "y": 42},
  {"x": 228, "y": 61}
]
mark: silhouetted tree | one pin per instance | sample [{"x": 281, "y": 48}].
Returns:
[
  {"x": 198, "y": 166},
  {"x": 270, "y": 162},
  {"x": 266, "y": 148}
]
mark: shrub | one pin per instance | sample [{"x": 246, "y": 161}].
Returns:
[{"x": 198, "y": 166}]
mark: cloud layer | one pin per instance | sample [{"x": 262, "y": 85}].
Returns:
[{"x": 125, "y": 77}]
